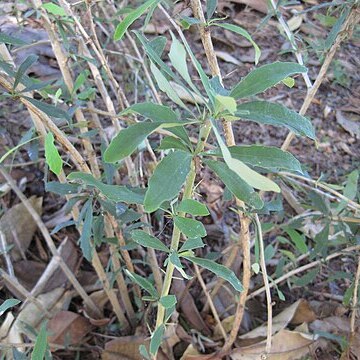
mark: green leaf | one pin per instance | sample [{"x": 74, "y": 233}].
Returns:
[
  {"x": 265, "y": 77},
  {"x": 253, "y": 178},
  {"x": 7, "y": 39},
  {"x": 41, "y": 344},
  {"x": 165, "y": 86},
  {"x": 211, "y": 6},
  {"x": 49, "y": 110},
  {"x": 61, "y": 189},
  {"x": 298, "y": 240},
  {"x": 170, "y": 142},
  {"x": 190, "y": 227},
  {"x": 7, "y": 304},
  {"x": 191, "y": 244},
  {"x": 167, "y": 180},
  {"x": 289, "y": 82},
  {"x": 193, "y": 207},
  {"x": 239, "y": 30},
  {"x": 127, "y": 141},
  {"x": 306, "y": 279},
  {"x": 265, "y": 112},
  {"x": 130, "y": 18},
  {"x": 168, "y": 301},
  {"x": 158, "y": 44},
  {"x": 25, "y": 65},
  {"x": 237, "y": 186},
  {"x": 53, "y": 159},
  {"x": 85, "y": 237},
  {"x": 143, "y": 283},
  {"x": 144, "y": 239},
  {"x": 156, "y": 339},
  {"x": 175, "y": 260},
  {"x": 219, "y": 270},
  {"x": 144, "y": 353},
  {"x": 267, "y": 157},
  {"x": 115, "y": 193},
  {"x": 227, "y": 102},
  {"x": 54, "y": 9}
]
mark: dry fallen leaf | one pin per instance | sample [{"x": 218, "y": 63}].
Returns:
[
  {"x": 351, "y": 123},
  {"x": 19, "y": 227},
  {"x": 286, "y": 345},
  {"x": 68, "y": 328},
  {"x": 223, "y": 55},
  {"x": 259, "y": 5},
  {"x": 295, "y": 22}
]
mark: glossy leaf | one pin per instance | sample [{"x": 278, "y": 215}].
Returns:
[
  {"x": 266, "y": 157},
  {"x": 7, "y": 304},
  {"x": 156, "y": 339},
  {"x": 265, "y": 112},
  {"x": 190, "y": 227},
  {"x": 219, "y": 270},
  {"x": 144, "y": 239},
  {"x": 167, "y": 180},
  {"x": 237, "y": 186},
  {"x": 193, "y": 207},
  {"x": 143, "y": 283},
  {"x": 191, "y": 244},
  {"x": 264, "y": 77},
  {"x": 53, "y": 159},
  {"x": 130, "y": 18},
  {"x": 239, "y": 30},
  {"x": 115, "y": 193},
  {"x": 253, "y": 178}
]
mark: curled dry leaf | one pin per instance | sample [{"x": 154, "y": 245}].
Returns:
[
  {"x": 19, "y": 227},
  {"x": 350, "y": 123},
  {"x": 67, "y": 327},
  {"x": 259, "y": 5},
  {"x": 286, "y": 345}
]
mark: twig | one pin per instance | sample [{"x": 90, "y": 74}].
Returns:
[
  {"x": 3, "y": 247},
  {"x": 302, "y": 269},
  {"x": 50, "y": 243},
  {"x": 351, "y": 20},
  {"x": 266, "y": 285},
  {"x": 212, "y": 306},
  {"x": 355, "y": 299}
]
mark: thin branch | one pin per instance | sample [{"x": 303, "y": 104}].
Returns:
[{"x": 355, "y": 299}]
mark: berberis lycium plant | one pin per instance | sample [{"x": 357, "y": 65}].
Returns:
[{"x": 170, "y": 188}]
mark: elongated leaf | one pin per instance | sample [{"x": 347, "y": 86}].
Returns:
[
  {"x": 265, "y": 112},
  {"x": 219, "y": 270},
  {"x": 130, "y": 18},
  {"x": 156, "y": 339},
  {"x": 175, "y": 260},
  {"x": 115, "y": 193},
  {"x": 144, "y": 283},
  {"x": 253, "y": 178},
  {"x": 144, "y": 239},
  {"x": 61, "y": 189},
  {"x": 11, "y": 40},
  {"x": 41, "y": 344},
  {"x": 191, "y": 244},
  {"x": 239, "y": 30},
  {"x": 53, "y": 159},
  {"x": 265, "y": 77},
  {"x": 49, "y": 110},
  {"x": 167, "y": 180},
  {"x": 235, "y": 184},
  {"x": 25, "y": 65},
  {"x": 189, "y": 227},
  {"x": 85, "y": 237},
  {"x": 170, "y": 142},
  {"x": 211, "y": 6},
  {"x": 193, "y": 207},
  {"x": 7, "y": 304},
  {"x": 165, "y": 86},
  {"x": 54, "y": 9},
  {"x": 266, "y": 157},
  {"x": 127, "y": 141}
]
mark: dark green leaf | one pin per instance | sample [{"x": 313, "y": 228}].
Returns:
[
  {"x": 155, "y": 112},
  {"x": 265, "y": 112},
  {"x": 61, "y": 189},
  {"x": 115, "y": 193},
  {"x": 130, "y": 18},
  {"x": 298, "y": 240},
  {"x": 49, "y": 110},
  {"x": 189, "y": 227},
  {"x": 85, "y": 237},
  {"x": 53, "y": 159},
  {"x": 167, "y": 180},
  {"x": 41, "y": 344},
  {"x": 25, "y": 65},
  {"x": 168, "y": 301},
  {"x": 267, "y": 157},
  {"x": 146, "y": 240},
  {"x": 265, "y": 77},
  {"x": 158, "y": 44},
  {"x": 191, "y": 244},
  {"x": 218, "y": 270},
  {"x": 235, "y": 184},
  {"x": 156, "y": 339},
  {"x": 193, "y": 207},
  {"x": 144, "y": 283},
  {"x": 170, "y": 142},
  {"x": 211, "y": 6},
  {"x": 7, "y": 304},
  {"x": 321, "y": 240},
  {"x": 7, "y": 39},
  {"x": 307, "y": 278}
]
